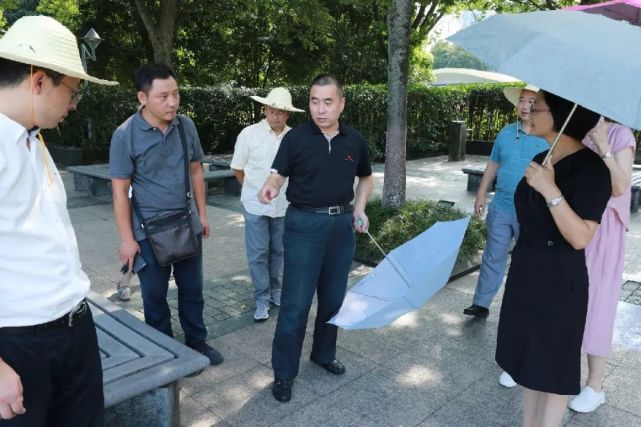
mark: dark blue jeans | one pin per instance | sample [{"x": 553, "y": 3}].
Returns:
[
  {"x": 318, "y": 255},
  {"x": 154, "y": 281}
]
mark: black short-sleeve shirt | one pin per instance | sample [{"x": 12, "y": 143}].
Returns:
[
  {"x": 317, "y": 175},
  {"x": 585, "y": 183}
]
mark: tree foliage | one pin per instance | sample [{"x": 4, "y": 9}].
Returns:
[{"x": 254, "y": 43}]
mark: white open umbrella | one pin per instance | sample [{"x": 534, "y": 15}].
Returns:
[
  {"x": 453, "y": 76},
  {"x": 408, "y": 277},
  {"x": 588, "y": 59}
]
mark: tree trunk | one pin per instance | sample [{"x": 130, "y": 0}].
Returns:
[
  {"x": 398, "y": 29},
  {"x": 161, "y": 31}
]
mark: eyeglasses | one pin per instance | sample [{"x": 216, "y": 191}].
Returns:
[
  {"x": 76, "y": 94},
  {"x": 533, "y": 109}
]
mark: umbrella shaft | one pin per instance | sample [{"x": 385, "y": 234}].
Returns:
[
  {"x": 567, "y": 120},
  {"x": 390, "y": 260}
]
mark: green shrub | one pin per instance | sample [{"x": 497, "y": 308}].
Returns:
[
  {"x": 221, "y": 112},
  {"x": 391, "y": 228}
]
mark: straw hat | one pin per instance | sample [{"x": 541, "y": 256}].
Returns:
[
  {"x": 514, "y": 93},
  {"x": 44, "y": 42},
  {"x": 278, "y": 98}
]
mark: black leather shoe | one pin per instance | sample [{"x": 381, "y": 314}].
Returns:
[
  {"x": 282, "y": 390},
  {"x": 334, "y": 367},
  {"x": 476, "y": 310}
]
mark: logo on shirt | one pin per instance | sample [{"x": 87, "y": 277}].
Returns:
[{"x": 349, "y": 158}]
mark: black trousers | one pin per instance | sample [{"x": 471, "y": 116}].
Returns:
[{"x": 61, "y": 376}]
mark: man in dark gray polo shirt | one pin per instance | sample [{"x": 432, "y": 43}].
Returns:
[
  {"x": 146, "y": 153},
  {"x": 322, "y": 158}
]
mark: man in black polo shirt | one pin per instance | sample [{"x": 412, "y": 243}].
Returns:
[{"x": 321, "y": 158}]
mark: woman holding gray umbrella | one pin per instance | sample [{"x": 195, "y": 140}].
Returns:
[{"x": 559, "y": 204}]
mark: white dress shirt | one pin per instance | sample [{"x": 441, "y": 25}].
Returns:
[
  {"x": 254, "y": 153},
  {"x": 40, "y": 273}
]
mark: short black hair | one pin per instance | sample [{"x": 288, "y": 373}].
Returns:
[
  {"x": 145, "y": 75},
  {"x": 582, "y": 121},
  {"x": 326, "y": 80},
  {"x": 12, "y": 73}
]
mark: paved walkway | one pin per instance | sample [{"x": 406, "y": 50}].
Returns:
[{"x": 433, "y": 367}]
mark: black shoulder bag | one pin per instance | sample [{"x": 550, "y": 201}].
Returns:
[{"x": 170, "y": 234}]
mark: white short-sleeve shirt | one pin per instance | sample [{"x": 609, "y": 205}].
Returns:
[{"x": 254, "y": 153}]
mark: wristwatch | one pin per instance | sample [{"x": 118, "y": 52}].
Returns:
[
  {"x": 606, "y": 155},
  {"x": 555, "y": 202}
]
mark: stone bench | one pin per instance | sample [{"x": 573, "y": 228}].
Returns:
[
  {"x": 474, "y": 177},
  {"x": 96, "y": 179},
  {"x": 220, "y": 163},
  {"x": 137, "y": 359},
  {"x": 92, "y": 178},
  {"x": 231, "y": 184}
]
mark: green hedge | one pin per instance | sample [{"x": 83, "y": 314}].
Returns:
[
  {"x": 391, "y": 228},
  {"x": 221, "y": 112}
]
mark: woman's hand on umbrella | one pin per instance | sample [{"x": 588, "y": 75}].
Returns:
[
  {"x": 541, "y": 178},
  {"x": 599, "y": 137}
]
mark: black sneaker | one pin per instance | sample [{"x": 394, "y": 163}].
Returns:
[
  {"x": 215, "y": 358},
  {"x": 476, "y": 311}
]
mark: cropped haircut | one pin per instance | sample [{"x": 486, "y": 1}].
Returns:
[
  {"x": 582, "y": 121},
  {"x": 145, "y": 75},
  {"x": 12, "y": 73},
  {"x": 327, "y": 80}
]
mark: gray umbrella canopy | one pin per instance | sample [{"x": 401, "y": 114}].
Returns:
[{"x": 588, "y": 59}]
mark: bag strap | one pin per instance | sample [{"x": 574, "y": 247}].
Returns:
[
  {"x": 181, "y": 133},
  {"x": 188, "y": 195}
]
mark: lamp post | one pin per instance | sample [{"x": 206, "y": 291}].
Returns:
[{"x": 91, "y": 39}]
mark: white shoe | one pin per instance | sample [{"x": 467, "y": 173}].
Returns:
[
  {"x": 587, "y": 401},
  {"x": 506, "y": 380},
  {"x": 262, "y": 311}
]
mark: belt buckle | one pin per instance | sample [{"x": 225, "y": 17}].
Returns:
[
  {"x": 79, "y": 309},
  {"x": 335, "y": 210}
]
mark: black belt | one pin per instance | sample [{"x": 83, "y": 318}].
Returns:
[
  {"x": 65, "y": 321},
  {"x": 328, "y": 210}
]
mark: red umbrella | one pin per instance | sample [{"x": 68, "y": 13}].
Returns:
[{"x": 622, "y": 10}]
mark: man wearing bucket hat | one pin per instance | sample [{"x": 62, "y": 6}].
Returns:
[
  {"x": 254, "y": 153},
  {"x": 512, "y": 152},
  {"x": 50, "y": 370},
  {"x": 321, "y": 158}
]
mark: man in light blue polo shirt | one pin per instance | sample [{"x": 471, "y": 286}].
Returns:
[{"x": 513, "y": 150}]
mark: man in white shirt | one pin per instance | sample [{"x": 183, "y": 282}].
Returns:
[
  {"x": 254, "y": 153},
  {"x": 50, "y": 370}
]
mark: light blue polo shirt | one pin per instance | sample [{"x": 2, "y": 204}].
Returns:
[{"x": 513, "y": 156}]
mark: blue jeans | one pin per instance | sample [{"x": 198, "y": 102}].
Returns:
[
  {"x": 264, "y": 246},
  {"x": 154, "y": 281},
  {"x": 318, "y": 255},
  {"x": 502, "y": 226}
]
